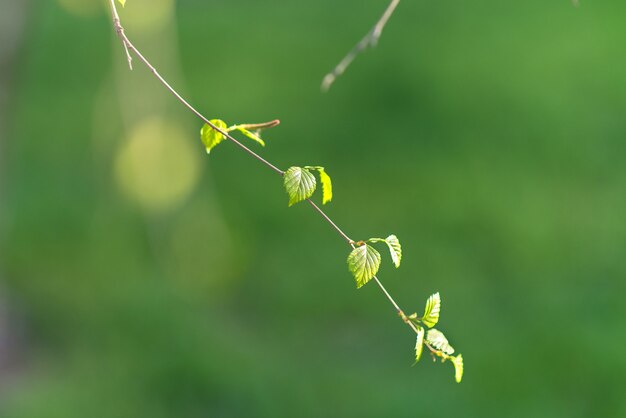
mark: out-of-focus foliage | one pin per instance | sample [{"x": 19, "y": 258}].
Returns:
[{"x": 488, "y": 135}]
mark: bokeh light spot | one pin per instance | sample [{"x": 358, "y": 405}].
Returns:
[
  {"x": 81, "y": 8},
  {"x": 147, "y": 15},
  {"x": 157, "y": 167}
]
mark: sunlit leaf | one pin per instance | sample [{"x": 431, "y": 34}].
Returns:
[
  {"x": 419, "y": 344},
  {"x": 299, "y": 183},
  {"x": 395, "y": 249},
  {"x": 431, "y": 312},
  {"x": 327, "y": 186},
  {"x": 363, "y": 263},
  {"x": 122, "y": 2},
  {"x": 210, "y": 137},
  {"x": 458, "y": 367},
  {"x": 251, "y": 135},
  {"x": 439, "y": 341}
]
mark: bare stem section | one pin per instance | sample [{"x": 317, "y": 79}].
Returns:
[
  {"x": 370, "y": 40},
  {"x": 130, "y": 48}
]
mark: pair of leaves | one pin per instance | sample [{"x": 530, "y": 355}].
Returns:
[
  {"x": 395, "y": 249},
  {"x": 300, "y": 184},
  {"x": 364, "y": 260},
  {"x": 212, "y": 137}
]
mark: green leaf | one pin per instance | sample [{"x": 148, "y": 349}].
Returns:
[
  {"x": 299, "y": 183},
  {"x": 458, "y": 368},
  {"x": 210, "y": 137},
  {"x": 431, "y": 312},
  {"x": 363, "y": 263},
  {"x": 122, "y": 2},
  {"x": 419, "y": 344},
  {"x": 439, "y": 341},
  {"x": 250, "y": 135},
  {"x": 395, "y": 249},
  {"x": 327, "y": 186}
]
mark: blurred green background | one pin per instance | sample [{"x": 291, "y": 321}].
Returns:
[{"x": 141, "y": 278}]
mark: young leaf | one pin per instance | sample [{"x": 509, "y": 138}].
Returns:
[
  {"x": 363, "y": 263},
  {"x": 299, "y": 183},
  {"x": 419, "y": 344},
  {"x": 327, "y": 187},
  {"x": 122, "y": 2},
  {"x": 395, "y": 249},
  {"x": 439, "y": 341},
  {"x": 250, "y": 135},
  {"x": 431, "y": 312},
  {"x": 211, "y": 137},
  {"x": 458, "y": 368}
]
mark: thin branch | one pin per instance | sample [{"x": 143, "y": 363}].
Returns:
[
  {"x": 120, "y": 32},
  {"x": 131, "y": 48},
  {"x": 370, "y": 40},
  {"x": 321, "y": 212}
]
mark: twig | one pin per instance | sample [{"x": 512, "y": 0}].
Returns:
[
  {"x": 120, "y": 32},
  {"x": 370, "y": 40},
  {"x": 258, "y": 126},
  {"x": 131, "y": 48}
]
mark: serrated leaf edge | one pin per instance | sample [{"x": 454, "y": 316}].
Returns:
[
  {"x": 363, "y": 263},
  {"x": 438, "y": 341},
  {"x": 300, "y": 186},
  {"x": 419, "y": 344},
  {"x": 432, "y": 310},
  {"x": 395, "y": 249}
]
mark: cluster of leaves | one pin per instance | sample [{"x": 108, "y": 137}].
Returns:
[
  {"x": 364, "y": 260},
  {"x": 300, "y": 184},
  {"x": 434, "y": 339},
  {"x": 212, "y": 137}
]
